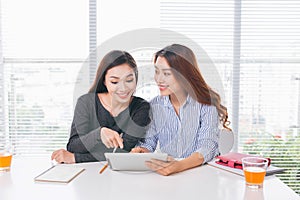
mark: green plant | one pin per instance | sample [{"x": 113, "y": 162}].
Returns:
[{"x": 284, "y": 153}]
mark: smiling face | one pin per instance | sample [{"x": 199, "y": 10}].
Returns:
[
  {"x": 165, "y": 79},
  {"x": 120, "y": 82}
]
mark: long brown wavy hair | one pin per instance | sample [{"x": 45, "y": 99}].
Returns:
[{"x": 185, "y": 68}]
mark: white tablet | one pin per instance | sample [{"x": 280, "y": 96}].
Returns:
[{"x": 132, "y": 161}]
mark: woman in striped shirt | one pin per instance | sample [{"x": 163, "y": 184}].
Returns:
[{"x": 187, "y": 116}]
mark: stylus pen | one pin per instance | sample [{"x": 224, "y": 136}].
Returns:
[{"x": 106, "y": 165}]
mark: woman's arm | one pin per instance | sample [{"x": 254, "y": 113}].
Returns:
[
  {"x": 173, "y": 166},
  {"x": 150, "y": 140},
  {"x": 149, "y": 143},
  {"x": 82, "y": 138},
  {"x": 64, "y": 156},
  {"x": 135, "y": 126},
  {"x": 85, "y": 157},
  {"x": 208, "y": 133}
]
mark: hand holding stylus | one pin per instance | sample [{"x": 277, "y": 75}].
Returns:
[
  {"x": 111, "y": 138},
  {"x": 106, "y": 165}
]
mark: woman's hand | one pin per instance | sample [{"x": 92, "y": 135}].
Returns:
[
  {"x": 165, "y": 168},
  {"x": 63, "y": 156},
  {"x": 139, "y": 150},
  {"x": 111, "y": 138},
  {"x": 172, "y": 166}
]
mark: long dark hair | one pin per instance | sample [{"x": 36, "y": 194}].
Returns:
[
  {"x": 183, "y": 62},
  {"x": 110, "y": 60}
]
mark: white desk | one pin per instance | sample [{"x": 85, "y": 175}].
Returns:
[{"x": 203, "y": 182}]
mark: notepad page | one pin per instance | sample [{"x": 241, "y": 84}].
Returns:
[{"x": 60, "y": 173}]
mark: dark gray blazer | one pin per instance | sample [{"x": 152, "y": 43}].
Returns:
[{"x": 90, "y": 116}]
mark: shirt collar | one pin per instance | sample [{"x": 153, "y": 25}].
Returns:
[
  {"x": 189, "y": 99},
  {"x": 167, "y": 102}
]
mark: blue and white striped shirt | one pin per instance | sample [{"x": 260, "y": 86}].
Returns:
[{"x": 196, "y": 129}]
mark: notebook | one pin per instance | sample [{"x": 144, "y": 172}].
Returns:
[
  {"x": 270, "y": 170},
  {"x": 59, "y": 173},
  {"x": 132, "y": 161}
]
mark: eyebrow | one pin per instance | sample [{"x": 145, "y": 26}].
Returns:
[
  {"x": 116, "y": 77},
  {"x": 166, "y": 69}
]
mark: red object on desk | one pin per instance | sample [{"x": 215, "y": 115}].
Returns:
[{"x": 234, "y": 159}]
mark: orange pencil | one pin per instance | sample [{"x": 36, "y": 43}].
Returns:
[{"x": 103, "y": 168}]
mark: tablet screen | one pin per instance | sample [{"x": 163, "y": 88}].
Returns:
[{"x": 132, "y": 161}]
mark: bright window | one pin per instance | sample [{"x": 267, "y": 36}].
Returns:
[
  {"x": 42, "y": 50},
  {"x": 254, "y": 45}
]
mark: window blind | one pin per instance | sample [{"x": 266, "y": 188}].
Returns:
[
  {"x": 2, "y": 110},
  {"x": 270, "y": 66},
  {"x": 39, "y": 104},
  {"x": 255, "y": 46},
  {"x": 210, "y": 25},
  {"x": 42, "y": 51}
]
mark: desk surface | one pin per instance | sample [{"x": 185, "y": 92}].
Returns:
[{"x": 203, "y": 182}]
